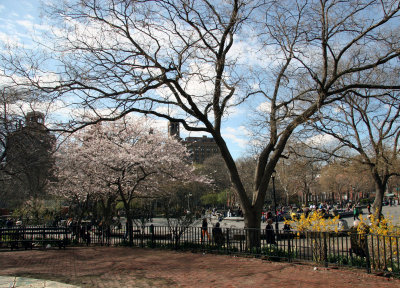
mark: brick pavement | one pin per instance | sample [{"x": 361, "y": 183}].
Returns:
[{"x": 133, "y": 267}]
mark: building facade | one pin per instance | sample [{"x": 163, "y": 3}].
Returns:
[
  {"x": 29, "y": 156},
  {"x": 200, "y": 148}
]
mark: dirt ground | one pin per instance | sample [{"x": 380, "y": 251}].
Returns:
[{"x": 134, "y": 267}]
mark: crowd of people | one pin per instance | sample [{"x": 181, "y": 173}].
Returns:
[{"x": 327, "y": 210}]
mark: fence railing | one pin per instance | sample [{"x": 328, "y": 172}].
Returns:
[{"x": 367, "y": 251}]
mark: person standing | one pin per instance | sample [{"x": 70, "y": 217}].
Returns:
[
  {"x": 269, "y": 215},
  {"x": 9, "y": 223},
  {"x": 269, "y": 232},
  {"x": 355, "y": 212},
  {"x": 204, "y": 229}
]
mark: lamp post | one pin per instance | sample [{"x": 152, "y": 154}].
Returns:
[
  {"x": 276, "y": 211},
  {"x": 188, "y": 196}
]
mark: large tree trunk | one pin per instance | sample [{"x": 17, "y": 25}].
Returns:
[
  {"x": 252, "y": 225},
  {"x": 380, "y": 187},
  {"x": 305, "y": 197},
  {"x": 107, "y": 209},
  {"x": 377, "y": 205},
  {"x": 129, "y": 227}
]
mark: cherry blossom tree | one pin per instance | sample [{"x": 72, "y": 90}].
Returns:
[{"x": 123, "y": 159}]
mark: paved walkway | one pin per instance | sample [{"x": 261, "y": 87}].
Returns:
[
  {"x": 21, "y": 282},
  {"x": 114, "y": 267}
]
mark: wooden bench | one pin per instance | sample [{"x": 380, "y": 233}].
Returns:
[{"x": 17, "y": 237}]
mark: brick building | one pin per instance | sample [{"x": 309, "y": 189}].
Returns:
[
  {"x": 29, "y": 155},
  {"x": 200, "y": 148}
]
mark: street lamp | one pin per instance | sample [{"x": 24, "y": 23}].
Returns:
[
  {"x": 276, "y": 211},
  {"x": 188, "y": 196}
]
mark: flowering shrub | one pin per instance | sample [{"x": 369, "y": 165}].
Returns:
[
  {"x": 382, "y": 226},
  {"x": 312, "y": 227},
  {"x": 375, "y": 240},
  {"x": 383, "y": 242},
  {"x": 315, "y": 222}
]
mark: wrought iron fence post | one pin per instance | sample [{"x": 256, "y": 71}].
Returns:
[
  {"x": 289, "y": 248},
  {"x": 142, "y": 231},
  {"x": 227, "y": 240},
  {"x": 367, "y": 259},
  {"x": 325, "y": 250},
  {"x": 152, "y": 235},
  {"x": 240, "y": 238},
  {"x": 102, "y": 234},
  {"x": 65, "y": 233},
  {"x": 44, "y": 236}
]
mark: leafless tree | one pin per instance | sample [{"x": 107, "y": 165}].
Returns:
[
  {"x": 8, "y": 118},
  {"x": 194, "y": 61},
  {"x": 342, "y": 179},
  {"x": 368, "y": 125},
  {"x": 215, "y": 168},
  {"x": 331, "y": 181},
  {"x": 299, "y": 176}
]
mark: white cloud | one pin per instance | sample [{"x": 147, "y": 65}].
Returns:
[
  {"x": 26, "y": 24},
  {"x": 319, "y": 140},
  {"x": 239, "y": 136},
  {"x": 264, "y": 107},
  {"x": 8, "y": 39}
]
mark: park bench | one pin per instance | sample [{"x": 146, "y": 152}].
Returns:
[{"x": 17, "y": 237}]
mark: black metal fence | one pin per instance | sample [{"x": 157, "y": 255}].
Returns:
[{"x": 367, "y": 251}]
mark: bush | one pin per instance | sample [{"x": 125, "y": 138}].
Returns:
[
  {"x": 315, "y": 227},
  {"x": 383, "y": 241},
  {"x": 273, "y": 253},
  {"x": 315, "y": 222},
  {"x": 347, "y": 261}
]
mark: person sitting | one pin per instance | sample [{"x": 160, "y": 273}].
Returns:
[{"x": 218, "y": 236}]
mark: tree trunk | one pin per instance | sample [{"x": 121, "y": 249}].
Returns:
[
  {"x": 305, "y": 197},
  {"x": 129, "y": 227},
  {"x": 252, "y": 225},
  {"x": 377, "y": 206}
]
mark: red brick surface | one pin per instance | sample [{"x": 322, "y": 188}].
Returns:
[{"x": 134, "y": 267}]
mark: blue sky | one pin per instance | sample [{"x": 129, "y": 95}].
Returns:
[
  {"x": 17, "y": 18},
  {"x": 21, "y": 21}
]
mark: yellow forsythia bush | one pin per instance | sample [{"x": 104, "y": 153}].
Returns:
[
  {"x": 315, "y": 222},
  {"x": 312, "y": 228},
  {"x": 383, "y": 242}
]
